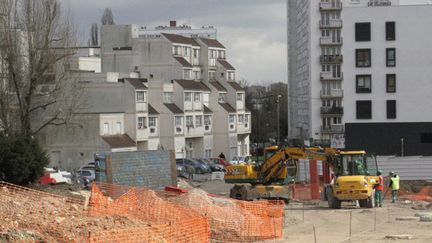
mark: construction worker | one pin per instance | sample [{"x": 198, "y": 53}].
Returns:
[
  {"x": 394, "y": 185},
  {"x": 379, "y": 189}
]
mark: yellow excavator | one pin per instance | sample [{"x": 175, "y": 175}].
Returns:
[
  {"x": 269, "y": 179},
  {"x": 354, "y": 175}
]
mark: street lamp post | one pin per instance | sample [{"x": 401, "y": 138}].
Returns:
[{"x": 278, "y": 111}]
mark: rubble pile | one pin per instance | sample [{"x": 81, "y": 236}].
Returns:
[{"x": 27, "y": 217}]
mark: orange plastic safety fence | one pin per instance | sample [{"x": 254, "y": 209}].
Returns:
[
  {"x": 236, "y": 221},
  {"x": 165, "y": 221},
  {"x": 425, "y": 194}
]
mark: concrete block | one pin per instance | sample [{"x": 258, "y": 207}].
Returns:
[{"x": 218, "y": 175}]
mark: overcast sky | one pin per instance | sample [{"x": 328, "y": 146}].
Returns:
[{"x": 253, "y": 31}]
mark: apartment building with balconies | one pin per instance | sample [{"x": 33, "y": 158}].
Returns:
[
  {"x": 190, "y": 64},
  {"x": 372, "y": 82}
]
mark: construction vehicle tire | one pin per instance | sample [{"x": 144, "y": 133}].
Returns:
[
  {"x": 238, "y": 192},
  {"x": 370, "y": 202},
  {"x": 363, "y": 203},
  {"x": 333, "y": 202}
]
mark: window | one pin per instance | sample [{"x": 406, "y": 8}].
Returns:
[
  {"x": 426, "y": 137},
  {"x": 240, "y": 118},
  {"x": 364, "y": 109},
  {"x": 197, "y": 97},
  {"x": 198, "y": 121},
  {"x": 167, "y": 97},
  {"x": 363, "y": 57},
  {"x": 186, "y": 51},
  {"x": 246, "y": 120},
  {"x": 195, "y": 53},
  {"x": 187, "y": 74},
  {"x": 362, "y": 31},
  {"x": 188, "y": 96},
  {"x": 189, "y": 121},
  {"x": 391, "y": 109},
  {"x": 207, "y": 120},
  {"x": 140, "y": 96},
  {"x": 118, "y": 128},
  {"x": 142, "y": 123},
  {"x": 106, "y": 129},
  {"x": 221, "y": 98},
  {"x": 176, "y": 50},
  {"x": 152, "y": 125},
  {"x": 391, "y": 83},
  {"x": 178, "y": 124},
  {"x": 363, "y": 84},
  {"x": 178, "y": 121},
  {"x": 391, "y": 57},
  {"x": 390, "y": 31},
  {"x": 152, "y": 121},
  {"x": 239, "y": 97},
  {"x": 231, "y": 122},
  {"x": 212, "y": 75},
  {"x": 197, "y": 75}
]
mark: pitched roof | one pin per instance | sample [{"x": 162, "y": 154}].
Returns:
[
  {"x": 119, "y": 141},
  {"x": 218, "y": 86},
  {"x": 192, "y": 85},
  {"x": 152, "y": 110},
  {"x": 207, "y": 110},
  {"x": 174, "y": 109},
  {"x": 236, "y": 86},
  {"x": 226, "y": 64},
  {"x": 138, "y": 83},
  {"x": 228, "y": 107},
  {"x": 180, "y": 39},
  {"x": 212, "y": 43},
  {"x": 183, "y": 62}
]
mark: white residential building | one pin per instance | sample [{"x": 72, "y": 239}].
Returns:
[{"x": 359, "y": 74}]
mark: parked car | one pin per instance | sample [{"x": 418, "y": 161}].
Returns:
[
  {"x": 219, "y": 161},
  {"x": 213, "y": 166},
  {"x": 86, "y": 174},
  {"x": 241, "y": 160},
  {"x": 181, "y": 171},
  {"x": 194, "y": 166}
]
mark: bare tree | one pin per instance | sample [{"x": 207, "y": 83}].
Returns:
[
  {"x": 36, "y": 88},
  {"x": 107, "y": 17},
  {"x": 94, "y": 35}
]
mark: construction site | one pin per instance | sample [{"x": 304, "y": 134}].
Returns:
[{"x": 199, "y": 209}]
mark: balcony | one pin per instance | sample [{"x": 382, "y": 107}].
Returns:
[
  {"x": 194, "y": 131},
  {"x": 327, "y": 6},
  {"x": 332, "y": 129},
  {"x": 329, "y": 41},
  {"x": 326, "y": 110},
  {"x": 328, "y": 76},
  {"x": 331, "y": 59},
  {"x": 332, "y": 23},
  {"x": 333, "y": 93}
]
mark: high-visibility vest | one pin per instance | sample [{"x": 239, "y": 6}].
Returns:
[
  {"x": 395, "y": 183},
  {"x": 380, "y": 185}
]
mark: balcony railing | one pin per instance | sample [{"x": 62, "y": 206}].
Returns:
[
  {"x": 332, "y": 23},
  {"x": 331, "y": 59},
  {"x": 331, "y": 76},
  {"x": 333, "y": 93},
  {"x": 332, "y": 129},
  {"x": 330, "y": 41},
  {"x": 326, "y": 110},
  {"x": 330, "y": 6}
]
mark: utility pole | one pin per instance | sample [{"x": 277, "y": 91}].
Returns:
[{"x": 278, "y": 120}]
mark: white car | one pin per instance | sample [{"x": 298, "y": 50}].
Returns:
[
  {"x": 240, "y": 160},
  {"x": 88, "y": 174}
]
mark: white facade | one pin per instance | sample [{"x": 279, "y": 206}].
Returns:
[
  {"x": 322, "y": 68},
  {"x": 413, "y": 62}
]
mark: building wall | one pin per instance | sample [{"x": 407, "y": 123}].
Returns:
[
  {"x": 75, "y": 144},
  {"x": 113, "y": 36},
  {"x": 299, "y": 28},
  {"x": 413, "y": 63}
]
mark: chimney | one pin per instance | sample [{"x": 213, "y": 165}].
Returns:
[{"x": 173, "y": 23}]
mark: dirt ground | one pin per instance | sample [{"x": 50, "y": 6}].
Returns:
[{"x": 367, "y": 225}]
